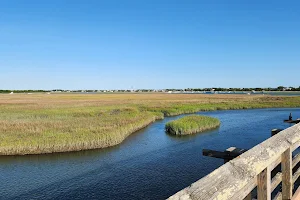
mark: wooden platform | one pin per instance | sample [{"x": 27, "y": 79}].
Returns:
[
  {"x": 227, "y": 155},
  {"x": 292, "y": 121}
]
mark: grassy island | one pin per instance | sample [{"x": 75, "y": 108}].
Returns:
[
  {"x": 191, "y": 124},
  {"x": 47, "y": 123}
]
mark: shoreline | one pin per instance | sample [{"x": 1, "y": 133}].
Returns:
[
  {"x": 134, "y": 131},
  {"x": 57, "y": 124}
]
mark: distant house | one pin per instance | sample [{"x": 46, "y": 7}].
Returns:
[{"x": 287, "y": 88}]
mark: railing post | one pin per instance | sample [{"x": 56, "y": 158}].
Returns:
[
  {"x": 287, "y": 174},
  {"x": 264, "y": 185}
]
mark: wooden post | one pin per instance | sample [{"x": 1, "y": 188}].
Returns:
[
  {"x": 264, "y": 185},
  {"x": 287, "y": 174}
]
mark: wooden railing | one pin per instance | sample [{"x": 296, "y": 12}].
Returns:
[{"x": 238, "y": 178}]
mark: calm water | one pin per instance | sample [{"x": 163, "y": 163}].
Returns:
[{"x": 148, "y": 165}]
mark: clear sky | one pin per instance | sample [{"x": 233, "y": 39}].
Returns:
[{"x": 119, "y": 44}]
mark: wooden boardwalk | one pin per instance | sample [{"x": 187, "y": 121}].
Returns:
[{"x": 251, "y": 173}]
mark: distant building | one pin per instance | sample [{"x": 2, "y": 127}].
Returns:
[{"x": 286, "y": 88}]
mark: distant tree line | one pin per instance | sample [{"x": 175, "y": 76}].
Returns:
[
  {"x": 22, "y": 91},
  {"x": 279, "y": 88}
]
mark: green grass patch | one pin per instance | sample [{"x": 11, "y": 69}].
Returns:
[
  {"x": 191, "y": 124},
  {"x": 40, "y": 123}
]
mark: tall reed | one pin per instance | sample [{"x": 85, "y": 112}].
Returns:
[
  {"x": 191, "y": 124},
  {"x": 41, "y": 123}
]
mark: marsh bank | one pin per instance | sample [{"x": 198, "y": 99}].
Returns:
[{"x": 149, "y": 164}]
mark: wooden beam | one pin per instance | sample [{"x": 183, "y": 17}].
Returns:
[
  {"x": 234, "y": 152},
  {"x": 275, "y": 164},
  {"x": 275, "y": 131},
  {"x": 248, "y": 197},
  {"x": 227, "y": 155},
  {"x": 296, "y": 159},
  {"x": 296, "y": 196},
  {"x": 287, "y": 174},
  {"x": 296, "y": 175},
  {"x": 278, "y": 196},
  {"x": 217, "y": 154},
  {"x": 292, "y": 121},
  {"x": 276, "y": 180},
  {"x": 264, "y": 185}
]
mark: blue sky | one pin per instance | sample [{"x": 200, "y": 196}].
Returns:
[{"x": 119, "y": 44}]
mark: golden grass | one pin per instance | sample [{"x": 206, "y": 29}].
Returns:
[
  {"x": 191, "y": 124},
  {"x": 41, "y": 123}
]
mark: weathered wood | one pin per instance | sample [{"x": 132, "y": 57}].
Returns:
[
  {"x": 234, "y": 152},
  {"x": 296, "y": 159},
  {"x": 287, "y": 174},
  {"x": 278, "y": 196},
  {"x": 275, "y": 131},
  {"x": 227, "y": 155},
  {"x": 239, "y": 176},
  {"x": 296, "y": 175},
  {"x": 264, "y": 185},
  {"x": 296, "y": 145},
  {"x": 216, "y": 154},
  {"x": 276, "y": 180},
  {"x": 232, "y": 184},
  {"x": 275, "y": 163},
  {"x": 248, "y": 197},
  {"x": 292, "y": 121},
  {"x": 296, "y": 196},
  {"x": 247, "y": 189}
]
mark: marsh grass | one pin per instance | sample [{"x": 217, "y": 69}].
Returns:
[
  {"x": 40, "y": 123},
  {"x": 191, "y": 124}
]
